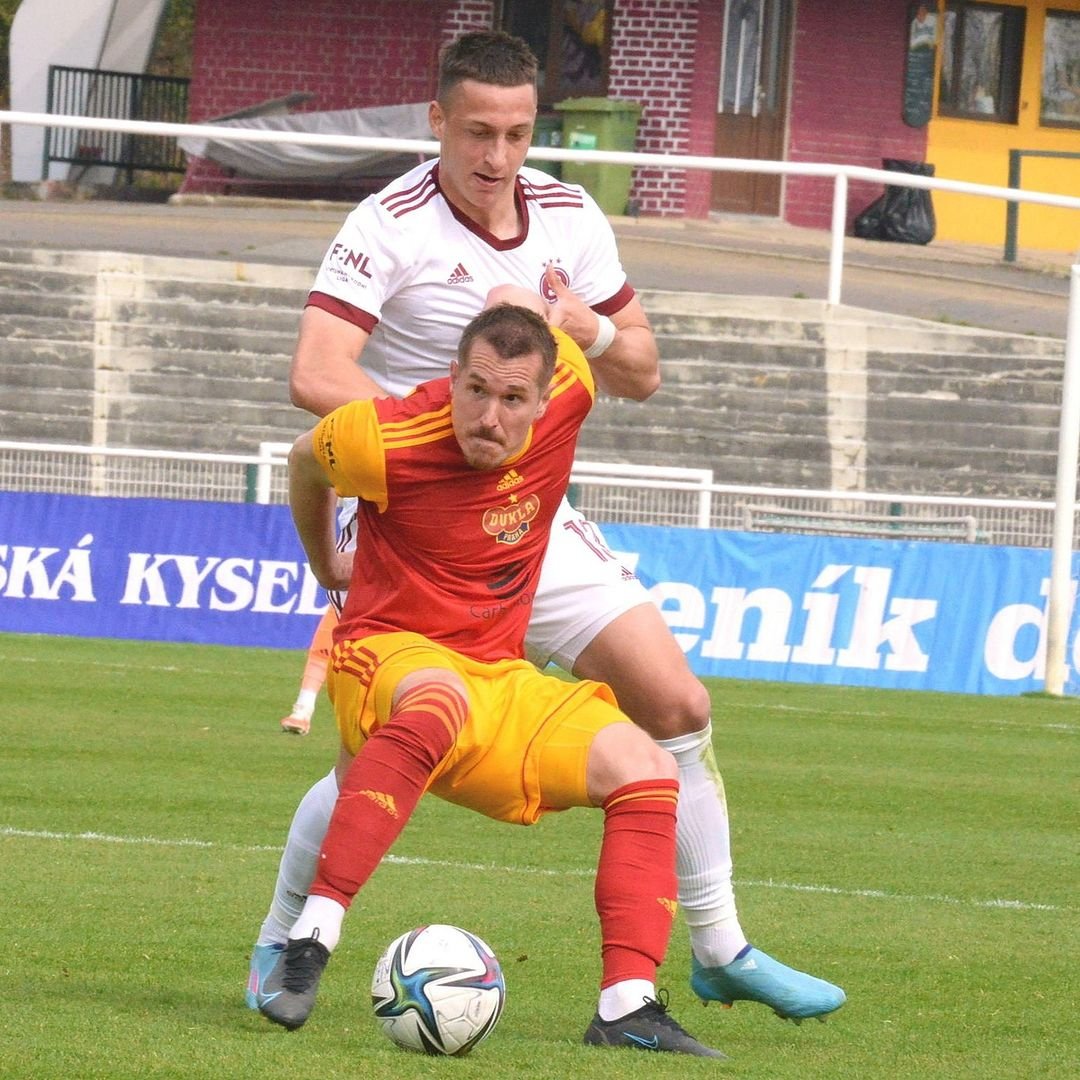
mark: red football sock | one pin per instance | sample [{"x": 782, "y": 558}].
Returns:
[
  {"x": 636, "y": 884},
  {"x": 383, "y": 785}
]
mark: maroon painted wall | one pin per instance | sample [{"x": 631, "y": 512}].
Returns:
[
  {"x": 708, "y": 41},
  {"x": 379, "y": 52},
  {"x": 845, "y": 93},
  {"x": 846, "y": 96}
]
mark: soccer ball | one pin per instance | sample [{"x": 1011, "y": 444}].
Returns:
[{"x": 438, "y": 989}]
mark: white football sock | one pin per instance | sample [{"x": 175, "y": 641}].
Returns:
[
  {"x": 296, "y": 871},
  {"x": 304, "y": 706},
  {"x": 622, "y": 998},
  {"x": 703, "y": 851},
  {"x": 321, "y": 918}
]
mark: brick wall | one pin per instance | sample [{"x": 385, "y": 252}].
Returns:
[
  {"x": 381, "y": 52},
  {"x": 708, "y": 42},
  {"x": 465, "y": 15},
  {"x": 652, "y": 61},
  {"x": 846, "y": 102}
]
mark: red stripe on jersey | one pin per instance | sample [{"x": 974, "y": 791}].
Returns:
[
  {"x": 354, "y": 658},
  {"x": 617, "y": 302},
  {"x": 534, "y": 191},
  {"x": 350, "y": 313},
  {"x": 548, "y": 203},
  {"x": 417, "y": 205},
  {"x": 404, "y": 202}
]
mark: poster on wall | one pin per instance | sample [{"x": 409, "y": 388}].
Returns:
[{"x": 919, "y": 69}]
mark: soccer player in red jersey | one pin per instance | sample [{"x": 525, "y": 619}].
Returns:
[{"x": 458, "y": 485}]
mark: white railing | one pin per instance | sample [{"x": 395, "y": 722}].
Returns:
[
  {"x": 606, "y": 492},
  {"x": 841, "y": 175},
  {"x": 1060, "y": 600},
  {"x": 127, "y": 472}
]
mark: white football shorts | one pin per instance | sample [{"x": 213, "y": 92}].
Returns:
[{"x": 583, "y": 586}]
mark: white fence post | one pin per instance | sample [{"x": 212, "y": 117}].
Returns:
[
  {"x": 1059, "y": 602},
  {"x": 271, "y": 454},
  {"x": 836, "y": 245}
]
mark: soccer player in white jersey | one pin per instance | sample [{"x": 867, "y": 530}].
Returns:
[{"x": 409, "y": 267}]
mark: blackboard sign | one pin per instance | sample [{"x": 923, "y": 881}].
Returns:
[{"x": 919, "y": 70}]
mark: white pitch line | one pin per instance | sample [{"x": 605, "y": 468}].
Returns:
[
  {"x": 115, "y": 665},
  {"x": 404, "y": 860}
]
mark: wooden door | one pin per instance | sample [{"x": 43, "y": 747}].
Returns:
[{"x": 751, "y": 110}]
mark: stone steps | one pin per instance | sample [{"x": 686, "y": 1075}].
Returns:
[{"x": 193, "y": 354}]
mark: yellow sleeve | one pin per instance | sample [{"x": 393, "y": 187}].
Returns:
[
  {"x": 348, "y": 444},
  {"x": 571, "y": 355}
]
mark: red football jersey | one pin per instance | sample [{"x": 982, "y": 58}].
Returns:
[{"x": 443, "y": 549}]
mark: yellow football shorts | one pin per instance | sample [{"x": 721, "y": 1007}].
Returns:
[{"x": 525, "y": 744}]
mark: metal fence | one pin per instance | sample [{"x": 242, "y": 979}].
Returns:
[
  {"x": 116, "y": 95},
  {"x": 133, "y": 473},
  {"x": 604, "y": 492}
]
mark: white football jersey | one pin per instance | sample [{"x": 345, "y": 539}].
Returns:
[{"x": 411, "y": 270}]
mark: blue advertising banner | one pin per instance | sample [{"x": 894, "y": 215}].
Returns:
[
  {"x": 859, "y": 612},
  {"x": 818, "y": 609},
  {"x": 164, "y": 570}
]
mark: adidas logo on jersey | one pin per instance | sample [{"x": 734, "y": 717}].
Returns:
[
  {"x": 460, "y": 276},
  {"x": 511, "y": 479}
]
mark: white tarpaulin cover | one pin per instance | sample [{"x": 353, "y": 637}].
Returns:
[{"x": 288, "y": 161}]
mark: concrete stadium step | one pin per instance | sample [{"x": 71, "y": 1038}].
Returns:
[
  {"x": 198, "y": 375},
  {"x": 74, "y": 323},
  {"x": 35, "y": 354},
  {"x": 223, "y": 312},
  {"x": 168, "y": 432},
  {"x": 199, "y": 281},
  {"x": 194, "y": 353},
  {"x": 705, "y": 317},
  {"x": 46, "y": 281},
  {"x": 208, "y": 342},
  {"x": 71, "y": 305}
]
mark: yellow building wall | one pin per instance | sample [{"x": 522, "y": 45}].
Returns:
[{"x": 978, "y": 151}]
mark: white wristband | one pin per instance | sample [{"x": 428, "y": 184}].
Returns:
[{"x": 605, "y": 335}]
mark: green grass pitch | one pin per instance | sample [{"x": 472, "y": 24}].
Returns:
[{"x": 919, "y": 849}]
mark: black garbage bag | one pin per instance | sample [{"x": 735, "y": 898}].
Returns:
[
  {"x": 903, "y": 214},
  {"x": 867, "y": 225}
]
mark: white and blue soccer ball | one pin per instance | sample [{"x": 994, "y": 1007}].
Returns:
[{"x": 438, "y": 989}]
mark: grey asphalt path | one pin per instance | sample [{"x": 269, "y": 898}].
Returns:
[{"x": 961, "y": 284}]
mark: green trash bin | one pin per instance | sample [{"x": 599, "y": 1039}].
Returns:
[
  {"x": 596, "y": 123},
  {"x": 547, "y": 131}
]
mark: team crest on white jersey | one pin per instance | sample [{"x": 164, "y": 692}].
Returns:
[{"x": 546, "y": 291}]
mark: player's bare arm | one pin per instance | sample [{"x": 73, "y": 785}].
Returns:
[
  {"x": 324, "y": 373},
  {"x": 630, "y": 366},
  {"x": 313, "y": 503}
]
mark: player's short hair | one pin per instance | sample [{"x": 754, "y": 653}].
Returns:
[
  {"x": 486, "y": 56},
  {"x": 512, "y": 331}
]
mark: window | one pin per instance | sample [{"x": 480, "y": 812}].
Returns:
[
  {"x": 982, "y": 45},
  {"x": 751, "y": 63},
  {"x": 1060, "y": 102},
  {"x": 571, "y": 39}
]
